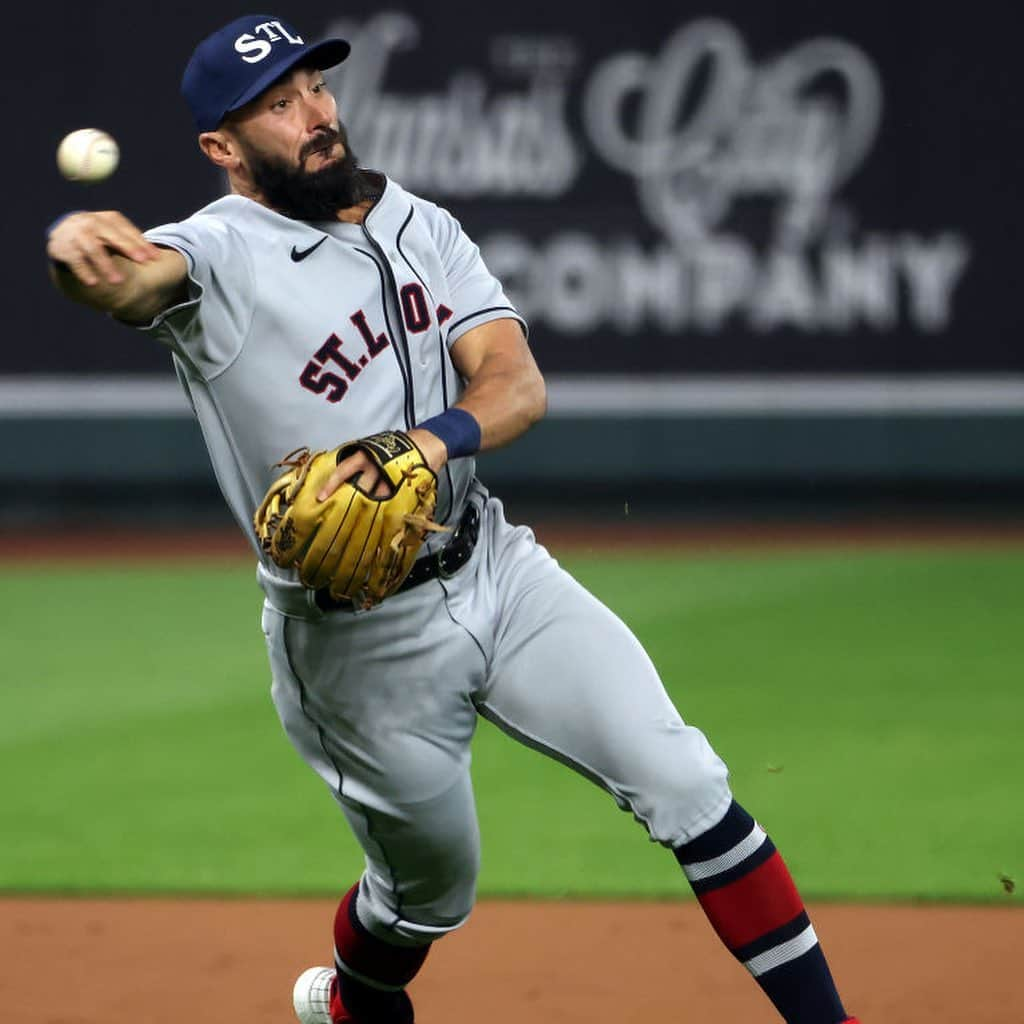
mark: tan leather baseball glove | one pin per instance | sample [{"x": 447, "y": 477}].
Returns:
[{"x": 358, "y": 545}]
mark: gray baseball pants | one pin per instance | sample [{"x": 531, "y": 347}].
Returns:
[{"x": 383, "y": 705}]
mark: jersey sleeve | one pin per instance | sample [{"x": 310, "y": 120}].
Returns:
[
  {"x": 209, "y": 328},
  {"x": 477, "y": 295}
]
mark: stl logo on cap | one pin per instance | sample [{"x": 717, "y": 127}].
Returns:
[
  {"x": 253, "y": 49},
  {"x": 236, "y": 63}
]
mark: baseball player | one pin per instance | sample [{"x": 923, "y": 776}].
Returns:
[{"x": 320, "y": 302}]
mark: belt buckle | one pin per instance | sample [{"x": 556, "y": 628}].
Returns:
[{"x": 442, "y": 572}]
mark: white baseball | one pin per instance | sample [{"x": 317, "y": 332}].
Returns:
[{"x": 87, "y": 155}]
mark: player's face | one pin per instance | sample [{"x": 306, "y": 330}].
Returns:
[
  {"x": 295, "y": 151},
  {"x": 295, "y": 120}
]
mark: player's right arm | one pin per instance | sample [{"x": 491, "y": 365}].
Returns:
[{"x": 103, "y": 260}]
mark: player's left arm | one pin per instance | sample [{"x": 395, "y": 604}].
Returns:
[{"x": 505, "y": 391}]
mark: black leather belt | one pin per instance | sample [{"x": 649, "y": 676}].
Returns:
[{"x": 442, "y": 564}]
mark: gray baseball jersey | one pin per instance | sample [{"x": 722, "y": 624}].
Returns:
[
  {"x": 312, "y": 334},
  {"x": 301, "y": 333}
]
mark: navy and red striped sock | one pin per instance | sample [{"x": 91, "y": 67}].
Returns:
[
  {"x": 749, "y": 897},
  {"x": 372, "y": 974}
]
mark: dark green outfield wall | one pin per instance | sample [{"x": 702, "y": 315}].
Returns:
[
  {"x": 768, "y": 449},
  {"x": 744, "y": 449}
]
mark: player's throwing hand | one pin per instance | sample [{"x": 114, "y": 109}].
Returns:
[{"x": 85, "y": 242}]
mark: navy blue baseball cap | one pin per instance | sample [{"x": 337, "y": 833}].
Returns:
[{"x": 237, "y": 62}]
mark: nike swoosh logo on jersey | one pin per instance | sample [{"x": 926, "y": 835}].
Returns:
[{"x": 298, "y": 256}]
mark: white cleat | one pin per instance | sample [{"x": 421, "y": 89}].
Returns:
[{"x": 311, "y": 996}]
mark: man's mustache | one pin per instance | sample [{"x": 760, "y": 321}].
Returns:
[{"x": 324, "y": 140}]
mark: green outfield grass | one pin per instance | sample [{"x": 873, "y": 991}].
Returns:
[{"x": 870, "y": 705}]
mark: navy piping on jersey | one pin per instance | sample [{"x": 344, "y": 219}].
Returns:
[
  {"x": 443, "y": 352},
  {"x": 401, "y": 335},
  {"x": 398, "y": 244},
  {"x": 480, "y": 312},
  {"x": 410, "y": 414}
]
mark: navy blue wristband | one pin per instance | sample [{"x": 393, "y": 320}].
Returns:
[{"x": 458, "y": 429}]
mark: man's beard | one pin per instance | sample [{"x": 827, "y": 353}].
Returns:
[{"x": 310, "y": 195}]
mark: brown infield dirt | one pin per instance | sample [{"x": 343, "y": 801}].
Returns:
[
  {"x": 165, "y": 961},
  {"x": 212, "y": 962}
]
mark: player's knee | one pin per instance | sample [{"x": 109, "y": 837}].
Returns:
[
  {"x": 423, "y": 924},
  {"x": 422, "y": 910},
  {"x": 685, "y": 804}
]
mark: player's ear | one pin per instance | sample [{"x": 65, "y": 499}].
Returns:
[{"x": 221, "y": 149}]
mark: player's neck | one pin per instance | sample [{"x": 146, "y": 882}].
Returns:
[{"x": 356, "y": 214}]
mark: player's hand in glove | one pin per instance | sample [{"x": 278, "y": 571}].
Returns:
[{"x": 361, "y": 543}]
